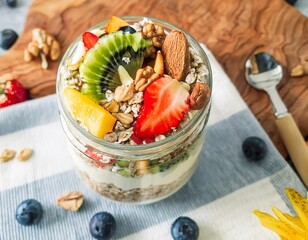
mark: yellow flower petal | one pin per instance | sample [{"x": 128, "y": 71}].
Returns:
[
  {"x": 293, "y": 227},
  {"x": 300, "y": 205},
  {"x": 275, "y": 225},
  {"x": 296, "y": 220}
]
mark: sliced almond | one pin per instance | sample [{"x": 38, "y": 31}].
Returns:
[
  {"x": 70, "y": 201},
  {"x": 142, "y": 167},
  {"x": 176, "y": 54},
  {"x": 113, "y": 107},
  {"x": 7, "y": 154},
  {"x": 159, "y": 64},
  {"x": 297, "y": 71},
  {"x": 24, "y": 154}
]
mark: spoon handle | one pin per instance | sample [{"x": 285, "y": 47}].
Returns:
[{"x": 295, "y": 145}]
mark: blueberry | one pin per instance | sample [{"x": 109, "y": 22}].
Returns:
[
  {"x": 291, "y": 2},
  {"x": 102, "y": 226},
  {"x": 128, "y": 29},
  {"x": 184, "y": 228},
  {"x": 254, "y": 148},
  {"x": 7, "y": 38},
  {"x": 11, "y": 3},
  {"x": 29, "y": 212}
]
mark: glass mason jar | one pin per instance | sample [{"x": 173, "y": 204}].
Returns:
[{"x": 135, "y": 173}]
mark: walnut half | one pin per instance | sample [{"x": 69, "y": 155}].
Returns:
[
  {"x": 144, "y": 77},
  {"x": 200, "y": 96}
]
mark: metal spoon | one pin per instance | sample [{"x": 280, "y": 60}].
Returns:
[{"x": 264, "y": 72}]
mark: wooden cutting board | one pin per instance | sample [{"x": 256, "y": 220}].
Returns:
[{"x": 231, "y": 29}]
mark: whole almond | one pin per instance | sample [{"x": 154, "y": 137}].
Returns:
[
  {"x": 175, "y": 50},
  {"x": 199, "y": 96}
]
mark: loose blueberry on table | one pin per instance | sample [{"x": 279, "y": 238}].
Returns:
[
  {"x": 29, "y": 212},
  {"x": 291, "y": 2},
  {"x": 254, "y": 148},
  {"x": 7, "y": 38},
  {"x": 102, "y": 226},
  {"x": 11, "y": 3},
  {"x": 184, "y": 228}
]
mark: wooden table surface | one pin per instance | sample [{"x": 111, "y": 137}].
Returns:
[{"x": 231, "y": 29}]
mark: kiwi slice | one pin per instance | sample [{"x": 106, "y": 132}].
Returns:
[{"x": 100, "y": 66}]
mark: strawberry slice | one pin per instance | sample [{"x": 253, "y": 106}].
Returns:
[
  {"x": 165, "y": 104},
  {"x": 12, "y": 92},
  {"x": 89, "y": 40}
]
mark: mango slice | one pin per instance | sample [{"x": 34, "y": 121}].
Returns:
[
  {"x": 97, "y": 120},
  {"x": 114, "y": 24}
]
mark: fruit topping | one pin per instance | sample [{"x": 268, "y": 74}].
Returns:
[
  {"x": 29, "y": 212},
  {"x": 254, "y": 148},
  {"x": 184, "y": 228},
  {"x": 100, "y": 66},
  {"x": 12, "y": 92},
  {"x": 102, "y": 226},
  {"x": 128, "y": 29},
  {"x": 175, "y": 50},
  {"x": 93, "y": 116},
  {"x": 159, "y": 64},
  {"x": 89, "y": 40},
  {"x": 114, "y": 24},
  {"x": 7, "y": 38},
  {"x": 165, "y": 105}
]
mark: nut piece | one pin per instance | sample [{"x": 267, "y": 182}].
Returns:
[
  {"x": 6, "y": 155},
  {"x": 159, "y": 64},
  {"x": 27, "y": 56},
  {"x": 200, "y": 96},
  {"x": 45, "y": 49},
  {"x": 124, "y": 118},
  {"x": 144, "y": 77},
  {"x": 123, "y": 93},
  {"x": 55, "y": 51},
  {"x": 142, "y": 167},
  {"x": 70, "y": 201},
  {"x": 24, "y": 154},
  {"x": 154, "y": 32},
  {"x": 33, "y": 49},
  {"x": 297, "y": 71},
  {"x": 43, "y": 45},
  {"x": 175, "y": 50},
  {"x": 113, "y": 107}
]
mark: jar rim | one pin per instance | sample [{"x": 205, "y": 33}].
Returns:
[{"x": 146, "y": 148}]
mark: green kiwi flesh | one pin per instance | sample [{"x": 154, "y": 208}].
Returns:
[{"x": 99, "y": 69}]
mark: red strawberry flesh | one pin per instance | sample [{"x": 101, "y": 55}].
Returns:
[
  {"x": 89, "y": 40},
  {"x": 13, "y": 93},
  {"x": 165, "y": 104}
]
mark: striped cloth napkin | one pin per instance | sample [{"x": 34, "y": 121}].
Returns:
[{"x": 220, "y": 196}]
